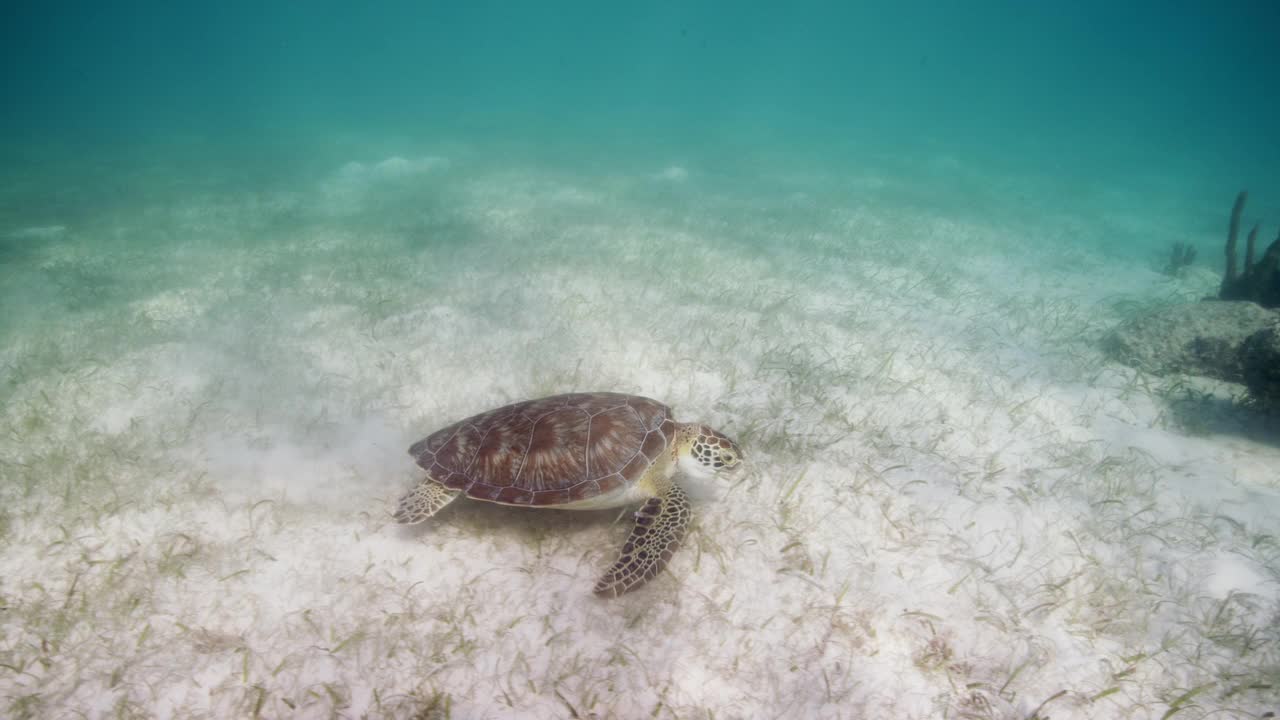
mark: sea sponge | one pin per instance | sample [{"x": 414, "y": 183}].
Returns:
[{"x": 1259, "y": 281}]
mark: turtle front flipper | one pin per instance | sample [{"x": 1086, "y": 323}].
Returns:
[
  {"x": 423, "y": 501},
  {"x": 660, "y": 526}
]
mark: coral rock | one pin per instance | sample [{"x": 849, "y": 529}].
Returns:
[
  {"x": 1202, "y": 338},
  {"x": 1260, "y": 361}
]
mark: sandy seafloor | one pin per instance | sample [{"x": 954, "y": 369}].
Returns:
[{"x": 959, "y": 508}]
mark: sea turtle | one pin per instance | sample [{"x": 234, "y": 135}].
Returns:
[{"x": 580, "y": 451}]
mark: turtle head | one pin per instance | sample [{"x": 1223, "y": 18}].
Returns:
[{"x": 705, "y": 452}]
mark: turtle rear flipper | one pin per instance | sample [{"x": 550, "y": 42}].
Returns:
[
  {"x": 660, "y": 527},
  {"x": 424, "y": 500}
]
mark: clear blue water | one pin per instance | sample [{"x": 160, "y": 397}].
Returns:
[{"x": 1088, "y": 92}]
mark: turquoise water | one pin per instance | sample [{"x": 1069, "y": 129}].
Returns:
[
  {"x": 1172, "y": 99},
  {"x": 249, "y": 254}
]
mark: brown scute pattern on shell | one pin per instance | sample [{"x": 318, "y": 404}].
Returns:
[
  {"x": 654, "y": 445},
  {"x": 514, "y": 496},
  {"x": 611, "y": 442},
  {"x": 498, "y": 456},
  {"x": 585, "y": 490},
  {"x": 555, "y": 457},
  {"x": 609, "y": 483},
  {"x": 638, "y": 465},
  {"x": 549, "y": 451},
  {"x": 482, "y": 492},
  {"x": 459, "y": 449},
  {"x": 668, "y": 430}
]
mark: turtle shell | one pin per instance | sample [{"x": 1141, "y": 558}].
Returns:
[{"x": 549, "y": 451}]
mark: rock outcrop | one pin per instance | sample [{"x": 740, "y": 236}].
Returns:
[{"x": 1203, "y": 338}]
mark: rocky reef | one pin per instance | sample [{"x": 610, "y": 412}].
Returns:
[
  {"x": 1259, "y": 280},
  {"x": 1234, "y": 337}
]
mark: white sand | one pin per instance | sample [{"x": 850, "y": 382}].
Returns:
[{"x": 959, "y": 508}]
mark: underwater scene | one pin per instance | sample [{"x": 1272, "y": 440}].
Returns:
[{"x": 696, "y": 360}]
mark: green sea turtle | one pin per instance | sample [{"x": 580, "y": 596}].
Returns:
[{"x": 581, "y": 451}]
